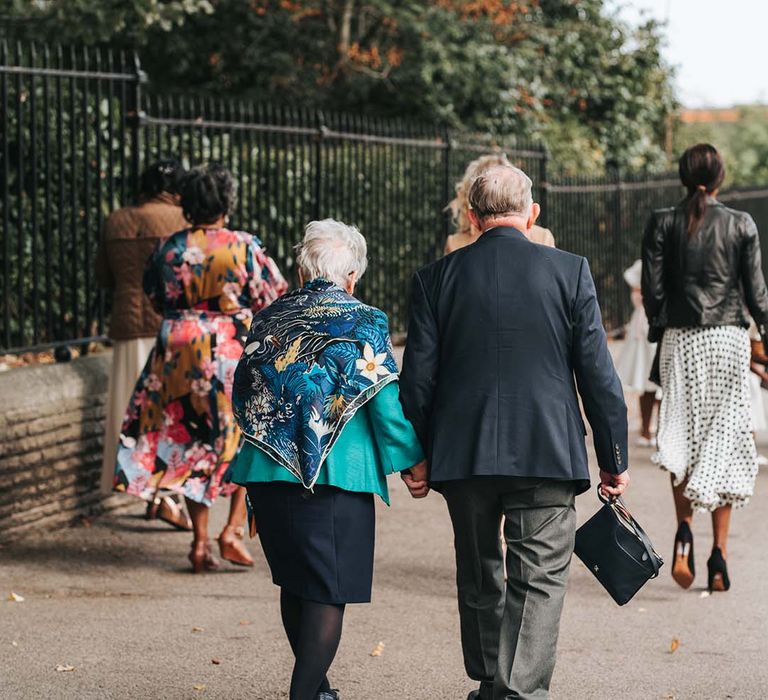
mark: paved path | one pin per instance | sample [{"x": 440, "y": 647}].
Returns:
[{"x": 114, "y": 600}]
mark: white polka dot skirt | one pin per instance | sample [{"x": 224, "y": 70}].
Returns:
[{"x": 705, "y": 421}]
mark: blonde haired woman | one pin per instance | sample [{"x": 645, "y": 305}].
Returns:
[{"x": 466, "y": 232}]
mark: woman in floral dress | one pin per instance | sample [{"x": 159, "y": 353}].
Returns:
[{"x": 179, "y": 432}]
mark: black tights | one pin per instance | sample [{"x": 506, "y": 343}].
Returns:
[{"x": 314, "y": 631}]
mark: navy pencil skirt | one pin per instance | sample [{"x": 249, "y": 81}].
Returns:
[{"x": 319, "y": 546}]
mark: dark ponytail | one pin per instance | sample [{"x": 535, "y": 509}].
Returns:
[{"x": 701, "y": 172}]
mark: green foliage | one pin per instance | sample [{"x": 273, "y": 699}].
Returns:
[
  {"x": 123, "y": 22},
  {"x": 603, "y": 84},
  {"x": 564, "y": 71},
  {"x": 744, "y": 145}
]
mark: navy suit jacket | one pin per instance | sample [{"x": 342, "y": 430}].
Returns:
[{"x": 501, "y": 333}]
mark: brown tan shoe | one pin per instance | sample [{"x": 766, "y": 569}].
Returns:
[
  {"x": 232, "y": 549},
  {"x": 201, "y": 557},
  {"x": 172, "y": 512}
]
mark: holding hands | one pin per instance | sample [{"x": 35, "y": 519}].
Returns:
[{"x": 415, "y": 479}]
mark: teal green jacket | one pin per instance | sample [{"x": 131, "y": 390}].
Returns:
[{"x": 376, "y": 442}]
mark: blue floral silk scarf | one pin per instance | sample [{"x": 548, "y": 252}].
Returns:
[{"x": 313, "y": 357}]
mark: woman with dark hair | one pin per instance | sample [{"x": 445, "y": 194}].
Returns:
[
  {"x": 179, "y": 432},
  {"x": 702, "y": 279},
  {"x": 129, "y": 237}
]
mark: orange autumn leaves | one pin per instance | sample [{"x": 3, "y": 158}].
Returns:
[
  {"x": 499, "y": 12},
  {"x": 372, "y": 57},
  {"x": 377, "y": 48}
]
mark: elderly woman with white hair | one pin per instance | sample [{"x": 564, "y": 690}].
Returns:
[{"x": 316, "y": 395}]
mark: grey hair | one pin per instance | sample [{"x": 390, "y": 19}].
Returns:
[
  {"x": 501, "y": 190},
  {"x": 332, "y": 250}
]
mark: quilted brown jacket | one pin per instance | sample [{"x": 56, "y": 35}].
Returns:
[{"x": 129, "y": 236}]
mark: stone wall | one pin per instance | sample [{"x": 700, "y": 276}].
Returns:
[
  {"x": 51, "y": 423},
  {"x": 51, "y": 427}
]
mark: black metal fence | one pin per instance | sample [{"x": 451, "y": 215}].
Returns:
[
  {"x": 77, "y": 126},
  {"x": 390, "y": 178},
  {"x": 603, "y": 219}
]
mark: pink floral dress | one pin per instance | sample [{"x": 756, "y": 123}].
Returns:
[{"x": 179, "y": 432}]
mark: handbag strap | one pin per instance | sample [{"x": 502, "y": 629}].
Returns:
[{"x": 619, "y": 505}]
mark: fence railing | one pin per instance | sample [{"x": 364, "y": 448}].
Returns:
[
  {"x": 77, "y": 126},
  {"x": 66, "y": 159},
  {"x": 603, "y": 219}
]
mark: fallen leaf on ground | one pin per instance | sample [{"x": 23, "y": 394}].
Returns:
[
  {"x": 16, "y": 598},
  {"x": 674, "y": 646},
  {"x": 200, "y": 686},
  {"x": 64, "y": 667},
  {"x": 198, "y": 629},
  {"x": 215, "y": 662},
  {"x": 245, "y": 622},
  {"x": 378, "y": 649}
]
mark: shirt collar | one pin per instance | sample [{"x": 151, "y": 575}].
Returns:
[{"x": 498, "y": 231}]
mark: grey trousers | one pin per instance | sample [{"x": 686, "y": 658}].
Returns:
[{"x": 509, "y": 638}]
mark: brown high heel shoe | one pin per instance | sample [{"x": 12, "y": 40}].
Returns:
[
  {"x": 169, "y": 510},
  {"x": 201, "y": 557},
  {"x": 233, "y": 550}
]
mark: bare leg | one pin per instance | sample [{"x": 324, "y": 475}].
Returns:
[
  {"x": 200, "y": 556},
  {"x": 199, "y": 514},
  {"x": 237, "y": 511},
  {"x": 721, "y": 523},
  {"x": 647, "y": 402},
  {"x": 717, "y": 568},
  {"x": 683, "y": 508}
]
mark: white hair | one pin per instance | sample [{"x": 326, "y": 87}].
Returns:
[{"x": 332, "y": 250}]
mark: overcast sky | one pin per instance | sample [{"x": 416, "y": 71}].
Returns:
[{"x": 720, "y": 47}]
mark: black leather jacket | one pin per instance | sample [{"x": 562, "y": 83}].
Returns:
[{"x": 714, "y": 278}]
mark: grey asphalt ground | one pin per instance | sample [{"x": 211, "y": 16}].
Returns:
[{"x": 114, "y": 600}]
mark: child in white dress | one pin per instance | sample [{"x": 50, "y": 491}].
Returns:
[{"x": 636, "y": 359}]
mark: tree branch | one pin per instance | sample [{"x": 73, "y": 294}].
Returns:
[{"x": 345, "y": 33}]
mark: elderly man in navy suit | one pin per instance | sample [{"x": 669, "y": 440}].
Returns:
[{"x": 504, "y": 336}]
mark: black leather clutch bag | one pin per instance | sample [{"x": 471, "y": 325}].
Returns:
[{"x": 617, "y": 551}]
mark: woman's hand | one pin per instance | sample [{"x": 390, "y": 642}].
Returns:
[{"x": 415, "y": 479}]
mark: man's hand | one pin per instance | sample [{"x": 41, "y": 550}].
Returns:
[
  {"x": 613, "y": 485},
  {"x": 415, "y": 479}
]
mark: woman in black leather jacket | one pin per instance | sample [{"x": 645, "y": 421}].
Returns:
[{"x": 702, "y": 279}]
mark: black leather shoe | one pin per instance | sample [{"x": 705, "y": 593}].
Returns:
[
  {"x": 474, "y": 695},
  {"x": 328, "y": 695},
  {"x": 683, "y": 570},
  {"x": 718, "y": 572}
]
